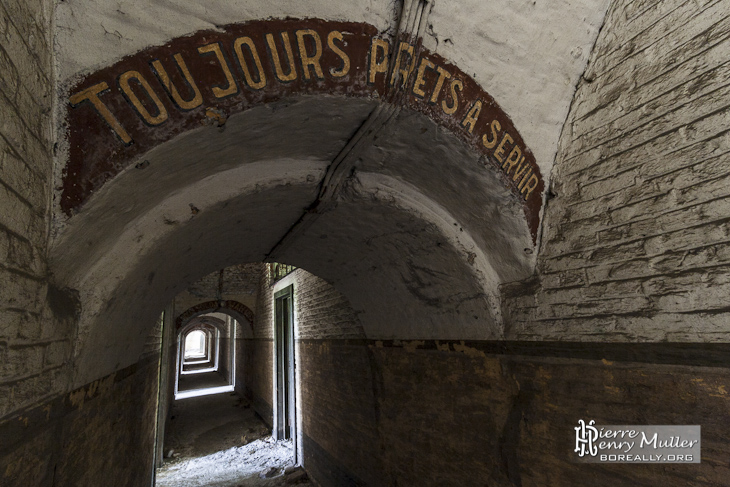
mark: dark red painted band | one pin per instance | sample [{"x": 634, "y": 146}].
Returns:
[{"x": 122, "y": 111}]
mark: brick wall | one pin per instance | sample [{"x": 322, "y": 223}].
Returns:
[
  {"x": 254, "y": 375},
  {"x": 36, "y": 318},
  {"x": 254, "y": 356},
  {"x": 153, "y": 344},
  {"x": 102, "y": 433},
  {"x": 224, "y": 354},
  {"x": 234, "y": 280},
  {"x": 340, "y": 413},
  {"x": 485, "y": 412},
  {"x": 321, "y": 311},
  {"x": 636, "y": 234},
  {"x": 339, "y": 430},
  {"x": 110, "y": 440},
  {"x": 464, "y": 414}
]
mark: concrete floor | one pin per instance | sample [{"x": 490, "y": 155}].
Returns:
[
  {"x": 190, "y": 382},
  {"x": 219, "y": 441}
]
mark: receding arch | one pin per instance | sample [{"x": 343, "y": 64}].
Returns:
[
  {"x": 220, "y": 331},
  {"x": 398, "y": 203},
  {"x": 195, "y": 344},
  {"x": 237, "y": 310},
  {"x": 418, "y": 240}
]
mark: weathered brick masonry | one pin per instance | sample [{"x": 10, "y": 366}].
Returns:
[
  {"x": 635, "y": 242},
  {"x": 255, "y": 370},
  {"x": 393, "y": 412},
  {"x": 340, "y": 433},
  {"x": 234, "y": 280},
  {"x": 632, "y": 281},
  {"x": 36, "y": 318},
  {"x": 46, "y": 432}
]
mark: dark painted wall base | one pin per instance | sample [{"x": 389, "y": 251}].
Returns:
[
  {"x": 325, "y": 468},
  {"x": 100, "y": 434},
  {"x": 453, "y": 413},
  {"x": 261, "y": 406}
]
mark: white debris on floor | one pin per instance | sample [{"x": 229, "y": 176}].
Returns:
[
  {"x": 219, "y": 441},
  {"x": 237, "y": 466}
]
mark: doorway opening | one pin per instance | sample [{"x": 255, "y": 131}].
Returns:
[
  {"x": 285, "y": 364},
  {"x": 232, "y": 438},
  {"x": 196, "y": 345},
  {"x": 206, "y": 356}
]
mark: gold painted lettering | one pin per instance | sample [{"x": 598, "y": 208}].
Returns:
[
  {"x": 230, "y": 88},
  {"x": 306, "y": 59},
  {"x": 378, "y": 65},
  {"x": 172, "y": 90},
  {"x": 512, "y": 159},
  {"x": 530, "y": 186},
  {"x": 499, "y": 153},
  {"x": 404, "y": 72},
  {"x": 92, "y": 95},
  {"x": 451, "y": 109},
  {"x": 420, "y": 81},
  {"x": 280, "y": 75},
  {"x": 260, "y": 74},
  {"x": 524, "y": 178},
  {"x": 345, "y": 68},
  {"x": 520, "y": 169},
  {"x": 443, "y": 76},
  {"x": 134, "y": 99},
  {"x": 495, "y": 127},
  {"x": 472, "y": 115}
]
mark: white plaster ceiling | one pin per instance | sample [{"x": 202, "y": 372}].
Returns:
[
  {"x": 528, "y": 54},
  {"x": 413, "y": 266},
  {"x": 419, "y": 246}
]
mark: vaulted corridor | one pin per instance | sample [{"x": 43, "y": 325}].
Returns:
[{"x": 419, "y": 243}]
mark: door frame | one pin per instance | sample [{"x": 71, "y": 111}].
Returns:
[{"x": 285, "y": 365}]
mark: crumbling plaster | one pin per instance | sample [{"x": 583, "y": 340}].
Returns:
[
  {"x": 528, "y": 54},
  {"x": 422, "y": 236},
  {"x": 414, "y": 266}
]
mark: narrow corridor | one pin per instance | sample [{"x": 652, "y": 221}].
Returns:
[
  {"x": 194, "y": 382},
  {"x": 219, "y": 441}
]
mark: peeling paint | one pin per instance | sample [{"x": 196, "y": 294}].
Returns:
[
  {"x": 466, "y": 350},
  {"x": 413, "y": 345}
]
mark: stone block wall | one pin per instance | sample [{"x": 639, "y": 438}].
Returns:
[{"x": 637, "y": 227}]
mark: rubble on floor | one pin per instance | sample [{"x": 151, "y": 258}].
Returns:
[
  {"x": 259, "y": 463},
  {"x": 219, "y": 441}
]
